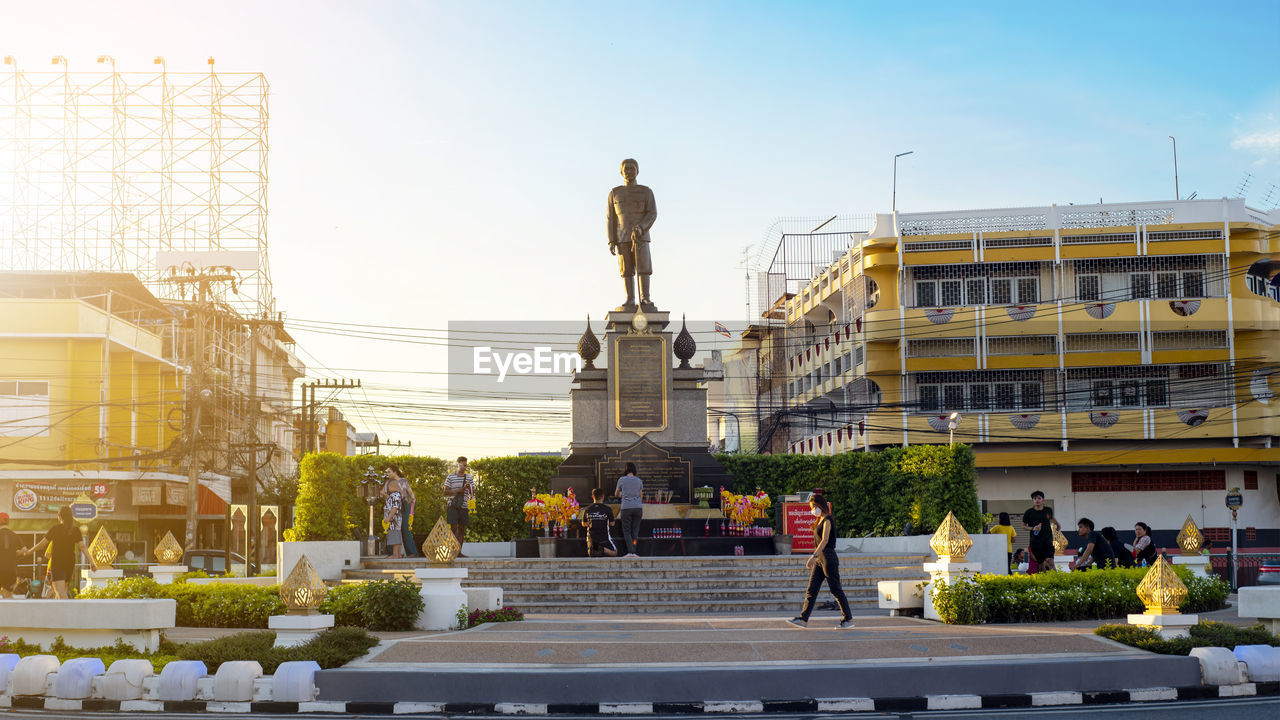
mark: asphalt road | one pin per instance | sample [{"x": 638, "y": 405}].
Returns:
[{"x": 1231, "y": 709}]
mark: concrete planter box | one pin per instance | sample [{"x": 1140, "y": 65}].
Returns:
[
  {"x": 328, "y": 557},
  {"x": 89, "y": 623}
]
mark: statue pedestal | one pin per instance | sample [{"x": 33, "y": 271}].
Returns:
[
  {"x": 442, "y": 597},
  {"x": 100, "y": 578},
  {"x": 294, "y": 630},
  {"x": 1169, "y": 626},
  {"x": 1199, "y": 564},
  {"x": 165, "y": 574},
  {"x": 947, "y": 572}
]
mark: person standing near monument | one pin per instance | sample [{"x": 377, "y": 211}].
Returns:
[
  {"x": 631, "y": 212},
  {"x": 65, "y": 537},
  {"x": 630, "y": 490},
  {"x": 458, "y": 488},
  {"x": 596, "y": 519},
  {"x": 1039, "y": 520},
  {"x": 823, "y": 564}
]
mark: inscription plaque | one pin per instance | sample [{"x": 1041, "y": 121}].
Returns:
[
  {"x": 640, "y": 383},
  {"x": 661, "y": 471}
]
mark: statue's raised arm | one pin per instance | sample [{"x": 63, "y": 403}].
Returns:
[{"x": 631, "y": 212}]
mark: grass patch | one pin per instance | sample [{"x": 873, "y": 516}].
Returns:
[{"x": 106, "y": 653}]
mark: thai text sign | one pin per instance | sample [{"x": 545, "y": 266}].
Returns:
[
  {"x": 797, "y": 521},
  {"x": 47, "y": 496}
]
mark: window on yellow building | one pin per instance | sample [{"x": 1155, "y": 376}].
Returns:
[{"x": 24, "y": 408}]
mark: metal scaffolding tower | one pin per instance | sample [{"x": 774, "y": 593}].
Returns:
[{"x": 103, "y": 170}]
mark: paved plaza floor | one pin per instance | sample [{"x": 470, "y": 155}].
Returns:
[{"x": 727, "y": 640}]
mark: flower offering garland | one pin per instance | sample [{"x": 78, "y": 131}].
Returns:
[
  {"x": 744, "y": 509},
  {"x": 545, "y": 509}
]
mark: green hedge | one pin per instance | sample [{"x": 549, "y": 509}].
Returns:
[
  {"x": 377, "y": 605},
  {"x": 1063, "y": 596},
  {"x": 1205, "y": 633},
  {"x": 329, "y": 505},
  {"x": 873, "y": 493}
]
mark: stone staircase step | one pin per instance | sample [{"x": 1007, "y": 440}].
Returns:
[
  {"x": 534, "y": 608},
  {"x": 689, "y": 584}
]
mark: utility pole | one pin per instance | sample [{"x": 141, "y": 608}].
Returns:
[
  {"x": 309, "y": 424},
  {"x": 253, "y": 554},
  {"x": 197, "y": 393}
]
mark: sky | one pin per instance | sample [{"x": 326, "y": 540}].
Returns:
[{"x": 438, "y": 161}]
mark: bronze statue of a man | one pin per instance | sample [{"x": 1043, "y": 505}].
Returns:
[{"x": 632, "y": 212}]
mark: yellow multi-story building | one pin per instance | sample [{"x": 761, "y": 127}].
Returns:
[
  {"x": 94, "y": 399},
  {"x": 1120, "y": 357}
]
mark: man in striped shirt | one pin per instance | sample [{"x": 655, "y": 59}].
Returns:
[{"x": 458, "y": 489}]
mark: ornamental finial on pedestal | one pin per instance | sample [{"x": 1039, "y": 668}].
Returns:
[
  {"x": 442, "y": 545},
  {"x": 588, "y": 347},
  {"x": 1190, "y": 539},
  {"x": 168, "y": 551},
  {"x": 102, "y": 550},
  {"x": 1161, "y": 590},
  {"x": 951, "y": 542},
  {"x": 684, "y": 345},
  {"x": 303, "y": 590}
]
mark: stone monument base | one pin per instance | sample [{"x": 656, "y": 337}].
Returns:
[
  {"x": 946, "y": 571},
  {"x": 442, "y": 597},
  {"x": 294, "y": 630},
  {"x": 100, "y": 578},
  {"x": 1199, "y": 564},
  {"x": 1169, "y": 626},
  {"x": 165, "y": 574}
]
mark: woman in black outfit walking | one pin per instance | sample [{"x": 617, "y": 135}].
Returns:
[{"x": 823, "y": 565}]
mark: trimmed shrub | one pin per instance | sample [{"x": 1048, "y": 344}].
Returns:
[
  {"x": 960, "y": 603},
  {"x": 329, "y": 506},
  {"x": 325, "y": 494},
  {"x": 214, "y": 605},
  {"x": 331, "y": 648},
  {"x": 503, "y": 485},
  {"x": 873, "y": 493},
  {"x": 1205, "y": 633},
  {"x": 375, "y": 605},
  {"x": 1095, "y": 594}
]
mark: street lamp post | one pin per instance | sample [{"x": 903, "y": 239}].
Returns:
[
  {"x": 893, "y": 201},
  {"x": 1176, "y": 194},
  {"x": 370, "y": 488},
  {"x": 953, "y": 422}
]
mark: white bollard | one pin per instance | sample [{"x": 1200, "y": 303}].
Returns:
[
  {"x": 1263, "y": 662},
  {"x": 295, "y": 681},
  {"x": 75, "y": 678},
  {"x": 234, "y": 680},
  {"x": 8, "y": 661},
  {"x": 1218, "y": 666},
  {"x": 31, "y": 675},
  {"x": 125, "y": 679},
  {"x": 179, "y": 680}
]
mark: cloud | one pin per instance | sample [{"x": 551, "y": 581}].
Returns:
[{"x": 1263, "y": 141}]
